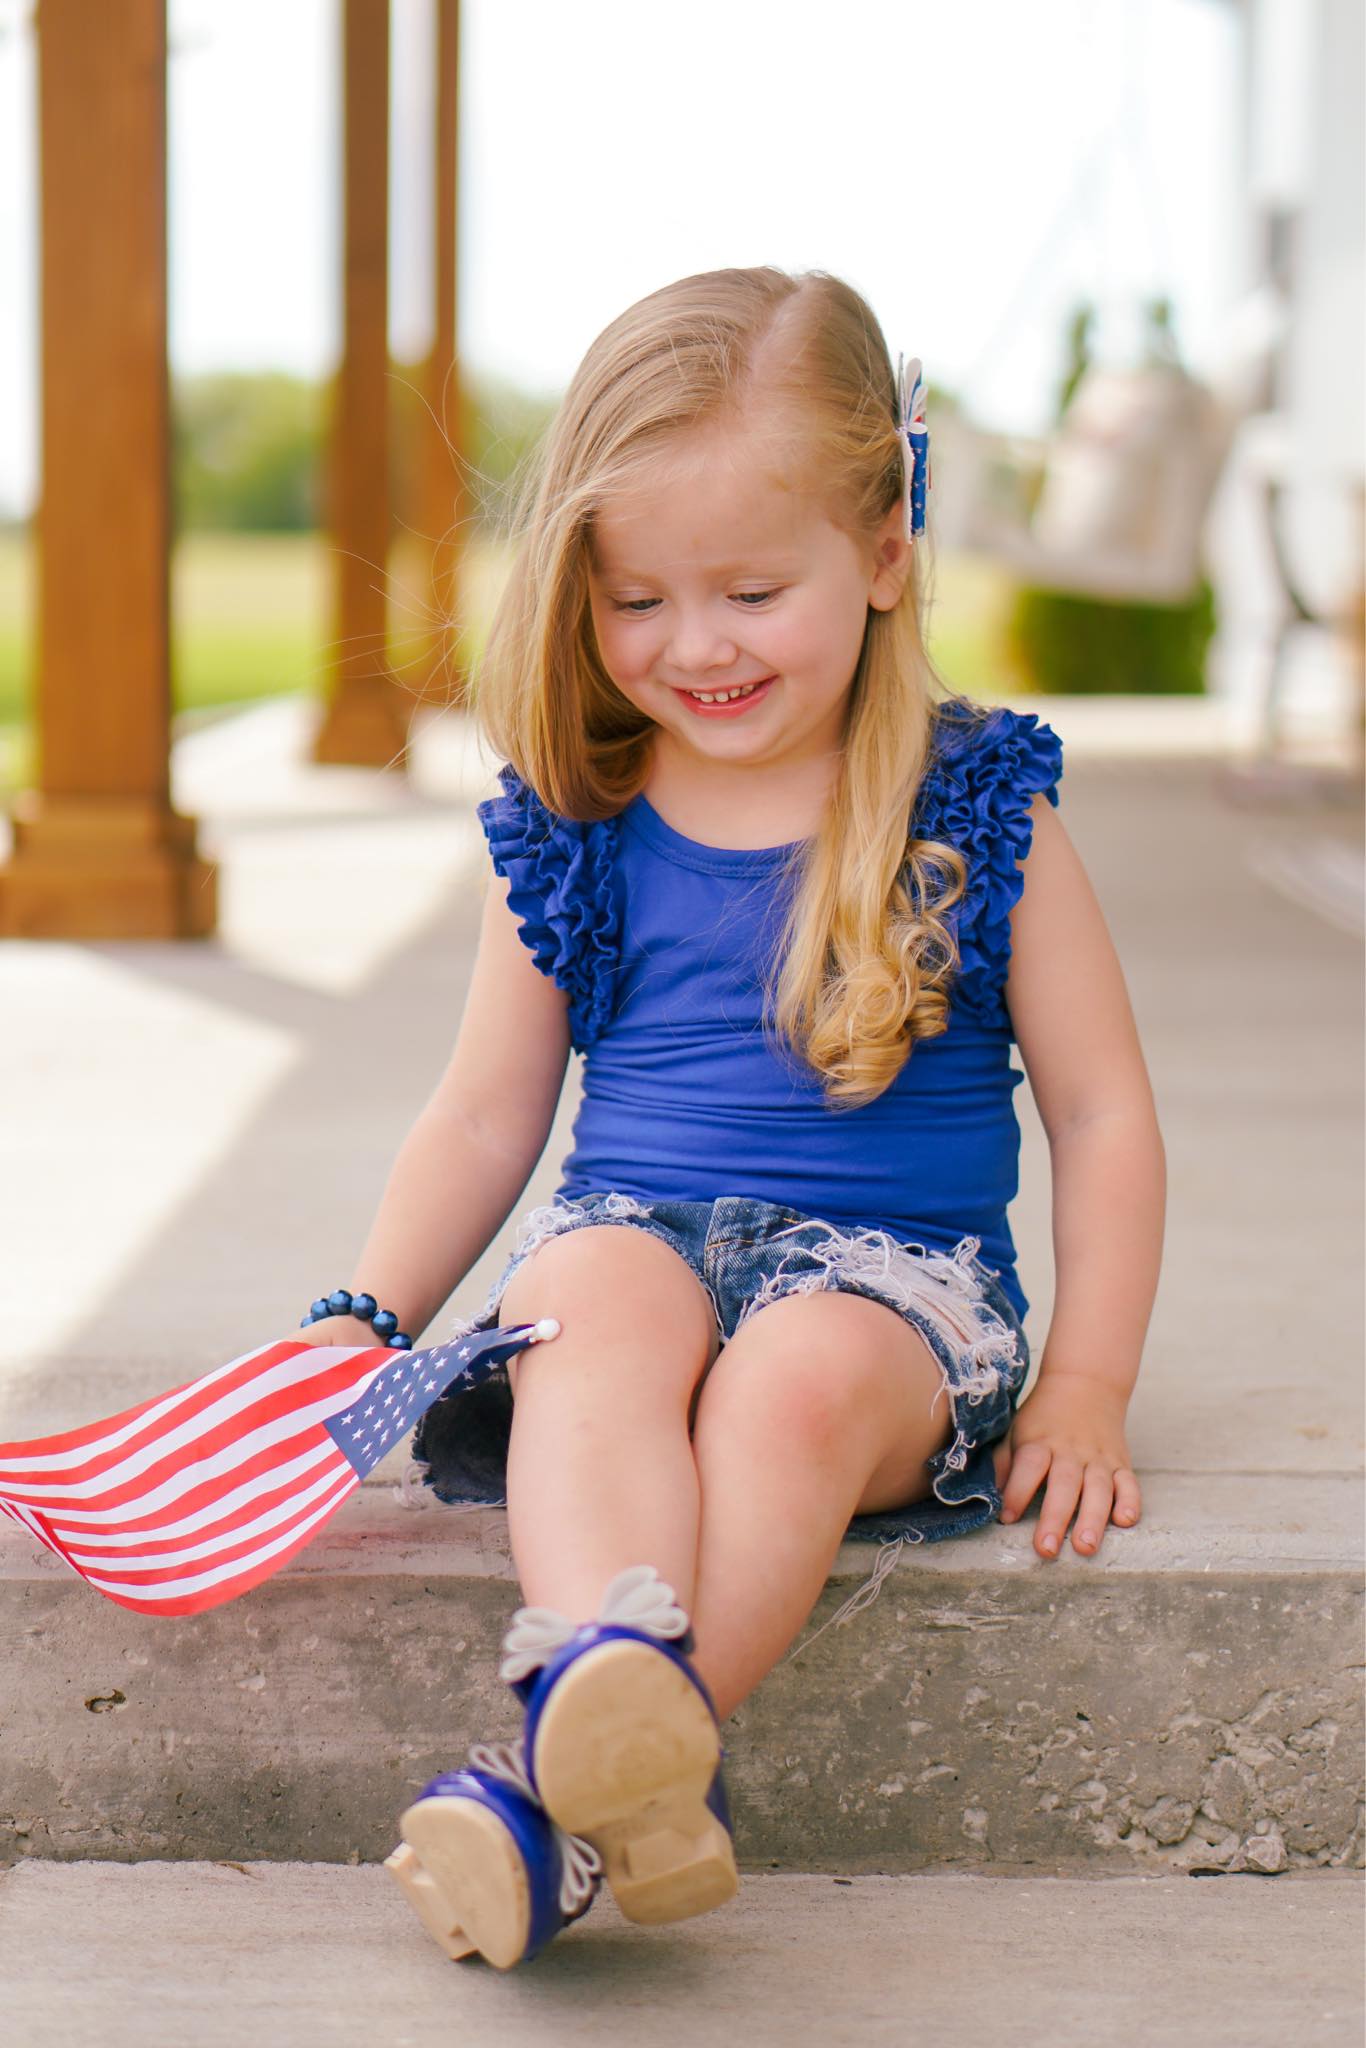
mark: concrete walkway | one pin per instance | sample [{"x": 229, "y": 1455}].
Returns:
[{"x": 300, "y": 1956}]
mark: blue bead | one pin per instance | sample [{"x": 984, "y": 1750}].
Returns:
[
  {"x": 320, "y": 1308},
  {"x": 304, "y": 1321},
  {"x": 339, "y": 1302},
  {"x": 364, "y": 1306},
  {"x": 398, "y": 1342},
  {"x": 385, "y": 1323}
]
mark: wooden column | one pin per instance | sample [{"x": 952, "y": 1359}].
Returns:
[
  {"x": 366, "y": 719},
  {"x": 443, "y": 494},
  {"x": 98, "y": 852}
]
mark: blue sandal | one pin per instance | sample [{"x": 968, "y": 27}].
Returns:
[
  {"x": 484, "y": 1866},
  {"x": 623, "y": 1747}
]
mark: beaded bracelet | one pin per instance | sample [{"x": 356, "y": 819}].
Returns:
[{"x": 382, "y": 1321}]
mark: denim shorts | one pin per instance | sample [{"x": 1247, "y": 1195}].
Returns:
[{"x": 748, "y": 1253}]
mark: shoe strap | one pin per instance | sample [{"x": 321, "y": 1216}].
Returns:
[
  {"x": 580, "y": 1863},
  {"x": 636, "y": 1598}
]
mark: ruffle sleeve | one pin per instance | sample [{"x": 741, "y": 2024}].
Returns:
[
  {"x": 985, "y": 770},
  {"x": 560, "y": 872}
]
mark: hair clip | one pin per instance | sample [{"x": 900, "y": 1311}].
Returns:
[{"x": 915, "y": 443}]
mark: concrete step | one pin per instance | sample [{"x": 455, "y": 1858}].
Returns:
[
  {"x": 1187, "y": 1701},
  {"x": 300, "y": 1956}
]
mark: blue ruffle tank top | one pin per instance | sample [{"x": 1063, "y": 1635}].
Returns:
[{"x": 662, "y": 945}]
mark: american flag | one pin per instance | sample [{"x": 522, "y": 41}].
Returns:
[{"x": 193, "y": 1498}]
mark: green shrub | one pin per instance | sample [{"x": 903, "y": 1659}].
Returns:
[
  {"x": 246, "y": 453},
  {"x": 1087, "y": 646}
]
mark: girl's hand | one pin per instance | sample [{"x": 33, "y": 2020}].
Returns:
[{"x": 1070, "y": 1432}]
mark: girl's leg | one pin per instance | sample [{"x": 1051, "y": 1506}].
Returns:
[
  {"x": 600, "y": 1470},
  {"x": 821, "y": 1406}
]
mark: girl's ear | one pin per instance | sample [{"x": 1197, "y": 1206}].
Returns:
[{"x": 891, "y": 562}]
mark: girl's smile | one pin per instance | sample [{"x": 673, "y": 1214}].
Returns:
[{"x": 727, "y": 703}]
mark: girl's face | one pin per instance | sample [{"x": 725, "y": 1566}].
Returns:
[{"x": 719, "y": 578}]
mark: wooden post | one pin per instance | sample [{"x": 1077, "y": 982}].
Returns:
[
  {"x": 366, "y": 719},
  {"x": 443, "y": 493},
  {"x": 98, "y": 851}
]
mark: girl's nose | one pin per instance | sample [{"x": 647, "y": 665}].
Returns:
[{"x": 699, "y": 644}]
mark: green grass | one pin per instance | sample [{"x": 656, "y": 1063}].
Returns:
[
  {"x": 250, "y": 620},
  {"x": 247, "y": 616},
  {"x": 246, "y": 620}
]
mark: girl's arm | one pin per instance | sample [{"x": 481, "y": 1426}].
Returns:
[
  {"x": 1075, "y": 1029},
  {"x": 467, "y": 1158}
]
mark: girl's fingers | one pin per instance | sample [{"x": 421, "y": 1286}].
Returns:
[
  {"x": 1097, "y": 1494},
  {"x": 1064, "y": 1484},
  {"x": 1027, "y": 1469},
  {"x": 1128, "y": 1499}
]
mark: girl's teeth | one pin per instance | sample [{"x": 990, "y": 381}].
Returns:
[{"x": 722, "y": 696}]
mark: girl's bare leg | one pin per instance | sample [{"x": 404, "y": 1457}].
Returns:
[
  {"x": 820, "y": 1406},
  {"x": 600, "y": 1469}
]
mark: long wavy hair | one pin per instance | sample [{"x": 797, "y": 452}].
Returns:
[{"x": 865, "y": 959}]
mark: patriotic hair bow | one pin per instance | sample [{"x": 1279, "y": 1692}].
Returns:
[{"x": 915, "y": 443}]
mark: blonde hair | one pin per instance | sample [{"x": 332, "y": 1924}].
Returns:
[{"x": 865, "y": 959}]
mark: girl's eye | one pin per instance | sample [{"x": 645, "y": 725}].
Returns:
[{"x": 640, "y": 607}]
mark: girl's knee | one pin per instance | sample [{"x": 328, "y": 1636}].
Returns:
[
  {"x": 630, "y": 1308},
  {"x": 831, "y": 1372}
]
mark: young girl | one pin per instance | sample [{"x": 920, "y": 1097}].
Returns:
[{"x": 793, "y": 902}]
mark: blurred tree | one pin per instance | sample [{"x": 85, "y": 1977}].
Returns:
[
  {"x": 249, "y": 449},
  {"x": 245, "y": 453},
  {"x": 499, "y": 427}
]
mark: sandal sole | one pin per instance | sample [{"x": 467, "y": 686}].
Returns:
[
  {"x": 626, "y": 1750},
  {"x": 463, "y": 1873}
]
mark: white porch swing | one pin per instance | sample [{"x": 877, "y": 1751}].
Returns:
[{"x": 1129, "y": 475}]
